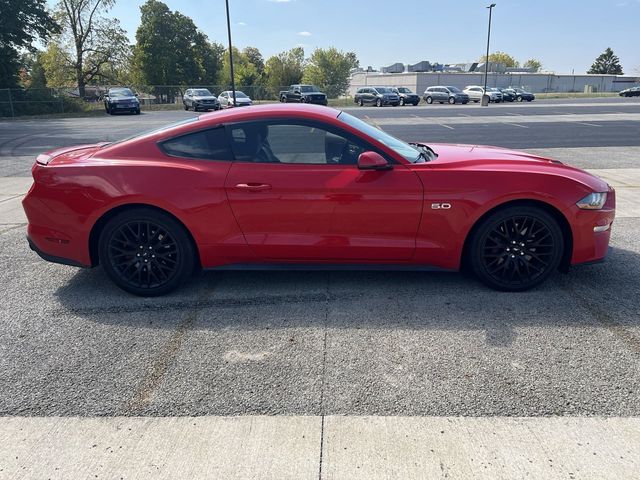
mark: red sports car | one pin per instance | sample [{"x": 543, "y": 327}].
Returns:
[{"x": 301, "y": 186}]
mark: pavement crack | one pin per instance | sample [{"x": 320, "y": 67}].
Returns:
[
  {"x": 147, "y": 388},
  {"x": 324, "y": 370}
]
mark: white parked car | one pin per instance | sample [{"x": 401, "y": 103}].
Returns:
[
  {"x": 226, "y": 99},
  {"x": 476, "y": 92}
]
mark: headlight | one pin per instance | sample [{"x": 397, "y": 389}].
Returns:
[{"x": 593, "y": 201}]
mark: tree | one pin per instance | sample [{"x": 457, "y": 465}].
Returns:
[
  {"x": 253, "y": 56},
  {"x": 21, "y": 23},
  {"x": 285, "y": 69},
  {"x": 330, "y": 69},
  {"x": 501, "y": 57},
  {"x": 32, "y": 70},
  {"x": 536, "y": 65},
  {"x": 248, "y": 67},
  {"x": 606, "y": 63},
  {"x": 170, "y": 50},
  {"x": 90, "y": 43}
]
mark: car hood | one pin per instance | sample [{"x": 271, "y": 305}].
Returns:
[{"x": 483, "y": 157}]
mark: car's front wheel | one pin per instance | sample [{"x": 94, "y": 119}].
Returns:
[
  {"x": 360, "y": 102},
  {"x": 402, "y": 101},
  {"x": 452, "y": 100},
  {"x": 516, "y": 248},
  {"x": 146, "y": 252},
  {"x": 429, "y": 100}
]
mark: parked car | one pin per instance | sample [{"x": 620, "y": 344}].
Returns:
[
  {"x": 377, "y": 96},
  {"x": 304, "y": 185},
  {"x": 226, "y": 99},
  {"x": 407, "y": 96},
  {"x": 630, "y": 92},
  {"x": 200, "y": 99},
  {"x": 120, "y": 99},
  {"x": 508, "y": 95},
  {"x": 303, "y": 94},
  {"x": 442, "y": 94},
  {"x": 522, "y": 94},
  {"x": 476, "y": 92}
]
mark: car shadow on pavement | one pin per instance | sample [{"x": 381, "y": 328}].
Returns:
[{"x": 602, "y": 295}]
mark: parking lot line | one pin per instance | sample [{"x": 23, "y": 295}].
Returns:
[
  {"x": 588, "y": 124},
  {"x": 516, "y": 125},
  {"x": 447, "y": 126}
]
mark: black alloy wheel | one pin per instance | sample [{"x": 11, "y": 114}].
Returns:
[
  {"x": 146, "y": 252},
  {"x": 516, "y": 248}
]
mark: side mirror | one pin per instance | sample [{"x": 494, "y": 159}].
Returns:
[
  {"x": 297, "y": 92},
  {"x": 373, "y": 161}
]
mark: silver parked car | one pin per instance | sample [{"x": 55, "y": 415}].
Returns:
[
  {"x": 200, "y": 99},
  {"x": 226, "y": 99},
  {"x": 476, "y": 92},
  {"x": 442, "y": 94}
]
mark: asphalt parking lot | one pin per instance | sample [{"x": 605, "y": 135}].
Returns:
[{"x": 333, "y": 343}]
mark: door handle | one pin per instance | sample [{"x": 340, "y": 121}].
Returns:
[{"x": 254, "y": 187}]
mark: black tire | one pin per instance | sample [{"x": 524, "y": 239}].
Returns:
[
  {"x": 416, "y": 102},
  {"x": 283, "y": 99},
  {"x": 378, "y": 103},
  {"x": 516, "y": 248},
  {"x": 452, "y": 100},
  {"x": 106, "y": 108},
  {"x": 402, "y": 101},
  {"x": 476, "y": 101},
  {"x": 361, "y": 103},
  {"x": 137, "y": 112},
  {"x": 519, "y": 98},
  {"x": 429, "y": 100},
  {"x": 186, "y": 107},
  {"x": 146, "y": 252}
]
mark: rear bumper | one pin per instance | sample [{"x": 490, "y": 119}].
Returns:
[{"x": 53, "y": 258}]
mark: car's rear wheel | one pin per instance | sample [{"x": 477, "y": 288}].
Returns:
[
  {"x": 452, "y": 100},
  {"x": 516, "y": 248},
  {"x": 361, "y": 103},
  {"x": 429, "y": 100},
  {"x": 146, "y": 252}
]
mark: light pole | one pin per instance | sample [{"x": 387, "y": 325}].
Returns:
[
  {"x": 233, "y": 81},
  {"x": 485, "y": 97}
]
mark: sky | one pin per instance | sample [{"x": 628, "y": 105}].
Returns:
[{"x": 565, "y": 35}]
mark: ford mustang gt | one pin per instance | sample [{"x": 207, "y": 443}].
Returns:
[{"x": 302, "y": 186}]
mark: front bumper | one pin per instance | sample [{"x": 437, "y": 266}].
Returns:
[
  {"x": 316, "y": 101},
  {"x": 591, "y": 231}
]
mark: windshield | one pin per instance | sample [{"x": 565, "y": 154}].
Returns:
[
  {"x": 202, "y": 92},
  {"x": 121, "y": 92},
  {"x": 308, "y": 88},
  {"x": 454, "y": 89},
  {"x": 383, "y": 90},
  {"x": 404, "y": 90},
  {"x": 401, "y": 148},
  {"x": 239, "y": 94}
]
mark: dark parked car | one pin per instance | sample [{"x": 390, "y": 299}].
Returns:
[
  {"x": 407, "y": 96},
  {"x": 442, "y": 94},
  {"x": 303, "y": 94},
  {"x": 121, "y": 99},
  {"x": 508, "y": 95},
  {"x": 377, "y": 96},
  {"x": 630, "y": 92},
  {"x": 522, "y": 95},
  {"x": 200, "y": 99}
]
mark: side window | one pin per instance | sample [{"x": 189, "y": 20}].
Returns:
[
  {"x": 292, "y": 142},
  {"x": 207, "y": 144}
]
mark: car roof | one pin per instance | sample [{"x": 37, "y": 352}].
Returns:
[{"x": 275, "y": 109}]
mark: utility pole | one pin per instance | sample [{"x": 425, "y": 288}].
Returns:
[
  {"x": 233, "y": 81},
  {"x": 485, "y": 97}
]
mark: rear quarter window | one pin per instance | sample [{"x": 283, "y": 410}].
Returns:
[{"x": 209, "y": 144}]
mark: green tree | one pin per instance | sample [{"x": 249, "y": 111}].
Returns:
[
  {"x": 170, "y": 50},
  {"x": 607, "y": 63},
  {"x": 32, "y": 70},
  {"x": 21, "y": 23},
  {"x": 330, "y": 70},
  {"x": 533, "y": 63},
  {"x": 285, "y": 69},
  {"x": 501, "y": 57},
  {"x": 90, "y": 43},
  {"x": 245, "y": 72}
]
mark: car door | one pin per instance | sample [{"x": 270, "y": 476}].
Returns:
[{"x": 298, "y": 195}]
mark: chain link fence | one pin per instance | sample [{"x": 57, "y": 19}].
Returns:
[{"x": 42, "y": 101}]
